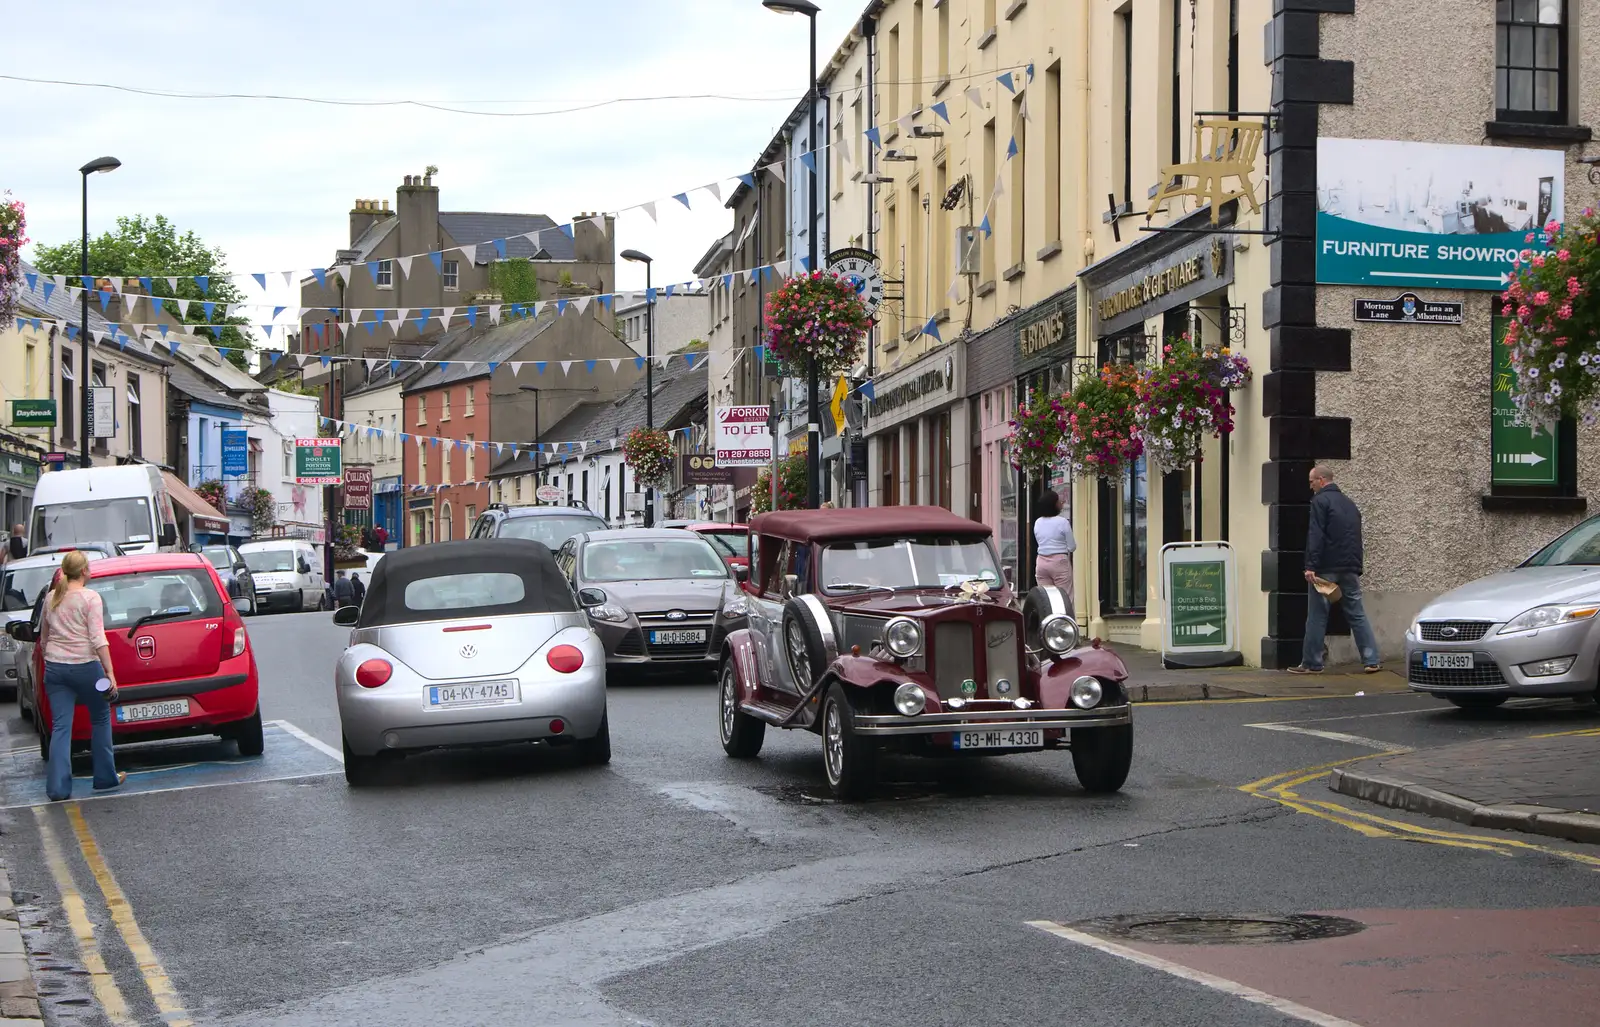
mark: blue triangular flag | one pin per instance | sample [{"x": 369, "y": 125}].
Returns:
[
  {"x": 682, "y": 198},
  {"x": 204, "y": 282},
  {"x": 472, "y": 316},
  {"x": 942, "y": 109},
  {"x": 394, "y": 368},
  {"x": 1030, "y": 72},
  {"x": 437, "y": 256},
  {"x": 588, "y": 365},
  {"x": 500, "y": 248},
  {"x": 105, "y": 300},
  {"x": 444, "y": 365},
  {"x": 869, "y": 390},
  {"x": 1011, "y": 148},
  {"x": 689, "y": 359},
  {"x": 650, "y": 295},
  {"x": 372, "y": 269},
  {"x": 276, "y": 311},
  {"x": 805, "y": 263},
  {"x": 49, "y": 287},
  {"x": 932, "y": 328},
  {"x": 539, "y": 365},
  {"x": 670, "y": 288},
  {"x": 224, "y": 351},
  {"x": 605, "y": 300},
  {"x": 1006, "y": 81},
  {"x": 72, "y": 331},
  {"x": 727, "y": 281},
  {"x": 809, "y": 159},
  {"x": 33, "y": 280},
  {"x": 88, "y": 281},
  {"x": 321, "y": 276},
  {"x": 318, "y": 329},
  {"x": 760, "y": 353},
  {"x": 173, "y": 346},
  {"x": 268, "y": 330},
  {"x": 984, "y": 227},
  {"x": 492, "y": 365},
  {"x": 874, "y": 136},
  {"x": 261, "y": 280},
  {"x": 334, "y": 311},
  {"x": 566, "y": 230},
  {"x": 561, "y": 307},
  {"x": 516, "y": 309},
  {"x": 370, "y": 326},
  {"x": 272, "y": 356},
  {"x": 638, "y": 363},
  {"x": 326, "y": 361},
  {"x": 748, "y": 179},
  {"x": 208, "y": 306},
  {"x": 144, "y": 283}
]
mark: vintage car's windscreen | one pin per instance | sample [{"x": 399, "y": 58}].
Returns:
[
  {"x": 551, "y": 529},
  {"x": 470, "y": 578},
  {"x": 172, "y": 595},
  {"x": 906, "y": 563},
  {"x": 1578, "y": 547},
  {"x": 651, "y": 559}
]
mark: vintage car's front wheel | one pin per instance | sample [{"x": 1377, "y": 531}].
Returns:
[
  {"x": 850, "y": 760},
  {"x": 741, "y": 733},
  {"x": 1101, "y": 756}
]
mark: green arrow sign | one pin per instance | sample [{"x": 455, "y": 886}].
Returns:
[
  {"x": 1519, "y": 455},
  {"x": 1199, "y": 593}
]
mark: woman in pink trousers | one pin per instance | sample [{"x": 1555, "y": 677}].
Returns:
[{"x": 1054, "y": 545}]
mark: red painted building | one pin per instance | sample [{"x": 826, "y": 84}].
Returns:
[{"x": 453, "y": 407}]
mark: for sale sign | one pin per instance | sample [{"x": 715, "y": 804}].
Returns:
[
  {"x": 318, "y": 462},
  {"x": 742, "y": 437}
]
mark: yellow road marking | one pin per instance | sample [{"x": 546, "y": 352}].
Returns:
[
  {"x": 100, "y": 980},
  {"x": 1279, "y": 788},
  {"x": 1566, "y": 734},
  {"x": 155, "y": 976},
  {"x": 1262, "y": 698}
]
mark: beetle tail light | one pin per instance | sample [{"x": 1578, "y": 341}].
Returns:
[
  {"x": 373, "y": 673},
  {"x": 565, "y": 659},
  {"x": 238, "y": 640}
]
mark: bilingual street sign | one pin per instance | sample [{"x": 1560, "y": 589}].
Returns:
[
  {"x": 1199, "y": 587},
  {"x": 318, "y": 462},
  {"x": 1410, "y": 309},
  {"x": 1518, "y": 455},
  {"x": 33, "y": 413}
]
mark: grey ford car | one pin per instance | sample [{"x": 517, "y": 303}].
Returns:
[{"x": 1533, "y": 630}]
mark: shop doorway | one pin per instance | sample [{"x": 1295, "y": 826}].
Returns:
[{"x": 1124, "y": 550}]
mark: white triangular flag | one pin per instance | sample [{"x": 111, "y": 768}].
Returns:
[
  {"x": 999, "y": 187},
  {"x": 183, "y": 306},
  {"x": 444, "y": 320},
  {"x": 494, "y": 313},
  {"x": 516, "y": 366},
  {"x": 715, "y": 189},
  {"x": 61, "y": 281},
  {"x": 371, "y": 362},
  {"x": 975, "y": 95},
  {"x": 97, "y": 334},
  {"x": 583, "y": 304},
  {"x": 615, "y": 362},
  {"x": 288, "y": 278},
  {"x": 904, "y": 121},
  {"x": 777, "y": 168},
  {"x": 405, "y": 265},
  {"x": 843, "y": 143},
  {"x": 355, "y": 315},
  {"x": 566, "y": 367},
  {"x": 405, "y": 313},
  {"x": 954, "y": 292},
  {"x": 394, "y": 325},
  {"x": 1023, "y": 107},
  {"x": 470, "y": 251},
  {"x": 449, "y": 312},
  {"x": 116, "y": 284},
  {"x": 649, "y": 208},
  {"x": 172, "y": 283}
]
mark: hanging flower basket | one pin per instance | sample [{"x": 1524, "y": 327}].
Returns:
[
  {"x": 13, "y": 236},
  {"x": 1553, "y": 299},
  {"x": 1038, "y": 433},
  {"x": 791, "y": 486},
  {"x": 347, "y": 547},
  {"x": 1185, "y": 399},
  {"x": 213, "y": 492},
  {"x": 816, "y": 315},
  {"x": 1102, "y": 431},
  {"x": 649, "y": 452}
]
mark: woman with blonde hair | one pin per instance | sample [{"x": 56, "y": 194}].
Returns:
[{"x": 77, "y": 672}]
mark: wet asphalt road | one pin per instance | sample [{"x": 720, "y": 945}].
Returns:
[{"x": 676, "y": 887}]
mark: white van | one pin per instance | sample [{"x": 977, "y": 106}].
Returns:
[
  {"x": 127, "y": 505},
  {"x": 287, "y": 572}
]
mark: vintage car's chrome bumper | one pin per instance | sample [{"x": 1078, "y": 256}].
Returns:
[{"x": 991, "y": 720}]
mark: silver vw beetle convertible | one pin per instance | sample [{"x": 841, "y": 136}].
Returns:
[{"x": 465, "y": 644}]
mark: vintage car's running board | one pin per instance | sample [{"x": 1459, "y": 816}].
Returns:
[
  {"x": 998, "y": 720},
  {"x": 769, "y": 712}
]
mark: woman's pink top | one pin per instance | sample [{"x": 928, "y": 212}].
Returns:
[{"x": 76, "y": 629}]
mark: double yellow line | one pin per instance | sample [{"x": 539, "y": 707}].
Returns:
[
  {"x": 1280, "y": 788},
  {"x": 101, "y": 980}
]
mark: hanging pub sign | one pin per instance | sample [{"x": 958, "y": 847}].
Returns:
[{"x": 1408, "y": 308}]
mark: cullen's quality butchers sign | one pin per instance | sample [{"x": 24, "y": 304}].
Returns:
[{"x": 742, "y": 437}]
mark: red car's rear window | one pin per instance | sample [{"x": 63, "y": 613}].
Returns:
[
  {"x": 180, "y": 594},
  {"x": 729, "y": 543}
]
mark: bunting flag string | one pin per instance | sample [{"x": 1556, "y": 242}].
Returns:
[{"x": 569, "y": 447}]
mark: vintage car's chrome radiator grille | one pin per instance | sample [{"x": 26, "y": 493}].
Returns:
[
  {"x": 953, "y": 658},
  {"x": 1003, "y": 655}
]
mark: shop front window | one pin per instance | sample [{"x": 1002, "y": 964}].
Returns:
[
  {"x": 1008, "y": 513},
  {"x": 1124, "y": 508}
]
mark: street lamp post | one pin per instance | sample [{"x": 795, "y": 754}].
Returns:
[
  {"x": 100, "y": 165},
  {"x": 813, "y": 403},
  {"x": 538, "y": 428},
  {"x": 649, "y": 367}
]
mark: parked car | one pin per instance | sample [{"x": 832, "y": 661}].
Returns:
[
  {"x": 551, "y": 525},
  {"x": 731, "y": 541},
  {"x": 468, "y": 643},
  {"x": 103, "y": 548},
  {"x": 661, "y": 598},
  {"x": 287, "y": 573},
  {"x": 179, "y": 650},
  {"x": 890, "y": 629},
  {"x": 127, "y": 504},
  {"x": 1533, "y": 630},
  {"x": 235, "y": 575},
  {"x": 21, "y": 584}
]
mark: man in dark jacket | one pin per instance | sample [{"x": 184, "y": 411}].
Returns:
[
  {"x": 343, "y": 593},
  {"x": 1334, "y": 553},
  {"x": 358, "y": 590}
]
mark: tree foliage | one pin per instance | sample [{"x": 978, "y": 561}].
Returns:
[
  {"x": 153, "y": 247},
  {"x": 514, "y": 280}
]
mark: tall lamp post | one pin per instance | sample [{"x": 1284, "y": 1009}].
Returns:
[
  {"x": 813, "y": 404},
  {"x": 649, "y": 367},
  {"x": 538, "y": 427},
  {"x": 100, "y": 165}
]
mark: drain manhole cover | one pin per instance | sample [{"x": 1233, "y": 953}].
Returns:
[{"x": 1222, "y": 928}]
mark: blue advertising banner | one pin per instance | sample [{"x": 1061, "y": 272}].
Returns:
[
  {"x": 1431, "y": 215},
  {"x": 235, "y": 452}
]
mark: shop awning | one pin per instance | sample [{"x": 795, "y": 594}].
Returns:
[{"x": 205, "y": 516}]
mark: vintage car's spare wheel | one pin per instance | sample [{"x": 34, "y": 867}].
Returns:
[
  {"x": 741, "y": 733},
  {"x": 1040, "y": 604},
  {"x": 1101, "y": 756},
  {"x": 808, "y": 639},
  {"x": 851, "y": 760}
]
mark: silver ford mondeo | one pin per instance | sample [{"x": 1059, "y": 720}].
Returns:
[
  {"x": 1533, "y": 630},
  {"x": 471, "y": 643}
]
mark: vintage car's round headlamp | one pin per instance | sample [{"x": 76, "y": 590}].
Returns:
[
  {"x": 1086, "y": 693},
  {"x": 902, "y": 637},
  {"x": 1060, "y": 634},
  {"x": 910, "y": 699},
  {"x": 1003, "y": 686}
]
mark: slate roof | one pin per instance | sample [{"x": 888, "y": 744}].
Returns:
[
  {"x": 61, "y": 307},
  {"x": 189, "y": 382},
  {"x": 499, "y": 343},
  {"x": 376, "y": 233},
  {"x": 467, "y": 227}
]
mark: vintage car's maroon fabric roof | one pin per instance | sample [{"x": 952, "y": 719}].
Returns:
[{"x": 865, "y": 522}]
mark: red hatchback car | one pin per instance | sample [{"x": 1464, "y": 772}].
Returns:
[{"x": 182, "y": 657}]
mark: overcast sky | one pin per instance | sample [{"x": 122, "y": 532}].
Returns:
[{"x": 272, "y": 181}]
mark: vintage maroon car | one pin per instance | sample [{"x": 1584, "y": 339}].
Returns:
[{"x": 890, "y": 629}]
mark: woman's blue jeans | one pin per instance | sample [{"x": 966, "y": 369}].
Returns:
[{"x": 69, "y": 686}]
